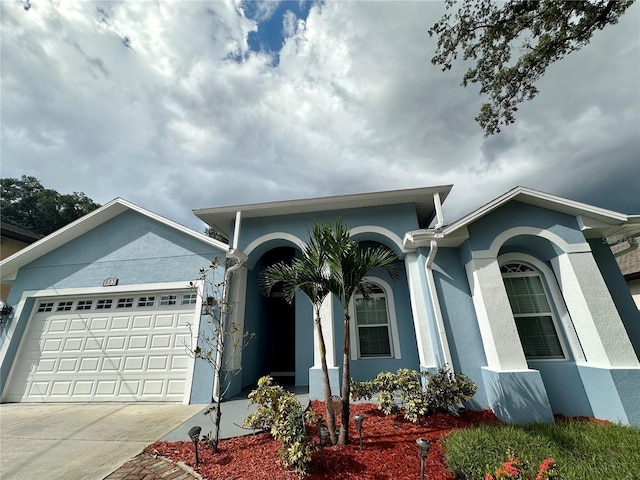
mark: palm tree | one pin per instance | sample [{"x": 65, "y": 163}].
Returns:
[
  {"x": 310, "y": 273},
  {"x": 349, "y": 265}
]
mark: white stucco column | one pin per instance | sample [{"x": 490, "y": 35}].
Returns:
[
  {"x": 237, "y": 296},
  {"x": 498, "y": 329},
  {"x": 326, "y": 316},
  {"x": 596, "y": 320},
  {"x": 419, "y": 305},
  {"x": 316, "y": 377}
]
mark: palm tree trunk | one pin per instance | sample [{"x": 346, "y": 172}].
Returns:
[
  {"x": 331, "y": 415},
  {"x": 346, "y": 380}
]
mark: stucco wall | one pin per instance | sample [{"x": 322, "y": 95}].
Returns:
[
  {"x": 399, "y": 219},
  {"x": 619, "y": 290},
  {"x": 131, "y": 247},
  {"x": 461, "y": 323}
]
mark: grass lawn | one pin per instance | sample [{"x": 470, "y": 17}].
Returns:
[{"x": 581, "y": 449}]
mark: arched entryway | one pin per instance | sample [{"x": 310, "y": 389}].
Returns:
[{"x": 272, "y": 322}]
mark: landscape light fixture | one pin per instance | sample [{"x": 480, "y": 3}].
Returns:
[
  {"x": 5, "y": 312},
  {"x": 358, "y": 418},
  {"x": 323, "y": 434},
  {"x": 194, "y": 434},
  {"x": 423, "y": 451}
]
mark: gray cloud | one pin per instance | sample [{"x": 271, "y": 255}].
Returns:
[{"x": 174, "y": 122}]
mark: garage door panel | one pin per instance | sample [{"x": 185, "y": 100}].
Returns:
[
  {"x": 76, "y": 350},
  {"x": 99, "y": 324},
  {"x": 164, "y": 321},
  {"x": 120, "y": 323},
  {"x": 140, "y": 321}
]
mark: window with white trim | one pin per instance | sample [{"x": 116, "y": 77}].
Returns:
[
  {"x": 532, "y": 312},
  {"x": 168, "y": 300},
  {"x": 146, "y": 301},
  {"x": 45, "y": 307},
  {"x": 84, "y": 305},
  {"x": 372, "y": 324},
  {"x": 64, "y": 306},
  {"x": 189, "y": 298},
  {"x": 104, "y": 304},
  {"x": 125, "y": 302}
]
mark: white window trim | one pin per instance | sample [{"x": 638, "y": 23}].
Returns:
[
  {"x": 393, "y": 324},
  {"x": 552, "y": 291}
]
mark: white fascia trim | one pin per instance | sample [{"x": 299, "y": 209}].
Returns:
[
  {"x": 85, "y": 224},
  {"x": 558, "y": 301},
  {"x": 199, "y": 236},
  {"x": 544, "y": 197},
  {"x": 497, "y": 243},
  {"x": 17, "y": 313},
  {"x": 422, "y": 238},
  {"x": 393, "y": 323},
  {"x": 364, "y": 229}
]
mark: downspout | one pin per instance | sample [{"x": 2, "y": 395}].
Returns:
[
  {"x": 223, "y": 326},
  {"x": 435, "y": 302},
  {"x": 224, "y": 314}
]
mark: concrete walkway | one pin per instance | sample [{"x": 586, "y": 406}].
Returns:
[
  {"x": 71, "y": 441},
  {"x": 148, "y": 467}
]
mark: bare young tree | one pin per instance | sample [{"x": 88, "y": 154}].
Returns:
[{"x": 220, "y": 339}]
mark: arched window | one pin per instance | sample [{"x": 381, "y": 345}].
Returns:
[
  {"x": 372, "y": 324},
  {"x": 532, "y": 312}
]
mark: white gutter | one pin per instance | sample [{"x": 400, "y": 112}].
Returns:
[{"x": 435, "y": 302}]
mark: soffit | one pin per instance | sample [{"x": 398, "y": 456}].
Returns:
[{"x": 220, "y": 218}]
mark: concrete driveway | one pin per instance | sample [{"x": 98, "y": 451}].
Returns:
[{"x": 80, "y": 441}]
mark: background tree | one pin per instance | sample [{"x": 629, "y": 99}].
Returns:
[
  {"x": 491, "y": 32},
  {"x": 215, "y": 234},
  {"x": 310, "y": 274},
  {"x": 350, "y": 264},
  {"x": 25, "y": 203}
]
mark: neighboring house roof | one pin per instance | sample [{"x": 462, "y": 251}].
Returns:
[
  {"x": 220, "y": 218},
  {"x": 18, "y": 233},
  {"x": 628, "y": 258},
  {"x": 10, "y": 265},
  {"x": 594, "y": 221}
]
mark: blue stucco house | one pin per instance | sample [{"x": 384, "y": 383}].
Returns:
[{"x": 523, "y": 295}]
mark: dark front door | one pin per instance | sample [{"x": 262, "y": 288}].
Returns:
[{"x": 282, "y": 325}]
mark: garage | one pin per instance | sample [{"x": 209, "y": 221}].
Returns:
[{"x": 106, "y": 348}]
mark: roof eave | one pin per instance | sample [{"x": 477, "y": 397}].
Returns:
[
  {"x": 220, "y": 218},
  {"x": 10, "y": 265}
]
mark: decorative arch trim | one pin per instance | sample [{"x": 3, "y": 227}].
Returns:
[
  {"x": 385, "y": 232},
  {"x": 393, "y": 322},
  {"x": 556, "y": 296},
  {"x": 497, "y": 243},
  {"x": 268, "y": 238}
]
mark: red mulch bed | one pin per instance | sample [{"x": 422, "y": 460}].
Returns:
[{"x": 389, "y": 450}]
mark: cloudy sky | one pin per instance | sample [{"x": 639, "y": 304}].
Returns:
[{"x": 192, "y": 104}]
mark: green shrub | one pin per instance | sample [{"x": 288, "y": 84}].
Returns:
[
  {"x": 284, "y": 416},
  {"x": 405, "y": 391}
]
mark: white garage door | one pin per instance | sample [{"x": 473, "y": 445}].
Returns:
[{"x": 105, "y": 348}]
